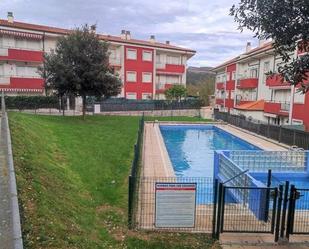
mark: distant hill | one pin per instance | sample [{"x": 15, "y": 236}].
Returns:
[
  {"x": 196, "y": 75},
  {"x": 201, "y": 83}
]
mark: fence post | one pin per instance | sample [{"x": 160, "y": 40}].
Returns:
[
  {"x": 130, "y": 202},
  {"x": 290, "y": 217},
  {"x": 278, "y": 213},
  {"x": 214, "y": 215},
  {"x": 280, "y": 134},
  {"x": 284, "y": 207},
  {"x": 2, "y": 102},
  {"x": 218, "y": 220}
]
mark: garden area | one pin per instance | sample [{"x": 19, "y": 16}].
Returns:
[{"x": 72, "y": 183}]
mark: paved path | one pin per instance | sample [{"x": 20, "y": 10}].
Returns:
[{"x": 6, "y": 227}]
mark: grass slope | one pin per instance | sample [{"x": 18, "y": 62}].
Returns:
[{"x": 72, "y": 183}]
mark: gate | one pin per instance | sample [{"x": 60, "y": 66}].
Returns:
[
  {"x": 298, "y": 212},
  {"x": 244, "y": 209}
]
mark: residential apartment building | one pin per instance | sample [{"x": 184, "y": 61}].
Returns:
[
  {"x": 146, "y": 68},
  {"x": 243, "y": 88}
]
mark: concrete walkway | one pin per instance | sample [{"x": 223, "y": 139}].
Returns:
[{"x": 6, "y": 227}]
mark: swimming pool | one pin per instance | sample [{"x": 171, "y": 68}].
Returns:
[{"x": 191, "y": 147}]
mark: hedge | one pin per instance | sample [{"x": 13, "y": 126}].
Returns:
[{"x": 31, "y": 102}]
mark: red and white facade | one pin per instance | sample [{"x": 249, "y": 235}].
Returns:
[
  {"x": 147, "y": 68},
  {"x": 243, "y": 88}
]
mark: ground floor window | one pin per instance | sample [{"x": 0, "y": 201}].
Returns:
[
  {"x": 131, "y": 95},
  {"x": 146, "y": 96}
]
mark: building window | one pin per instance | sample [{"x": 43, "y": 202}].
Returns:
[
  {"x": 253, "y": 73},
  {"x": 131, "y": 54},
  {"x": 147, "y": 55},
  {"x": 233, "y": 75},
  {"x": 147, "y": 77},
  {"x": 131, "y": 76},
  {"x": 112, "y": 54},
  {"x": 266, "y": 69},
  {"x": 146, "y": 96},
  {"x": 131, "y": 95},
  {"x": 174, "y": 60},
  {"x": 227, "y": 76}
]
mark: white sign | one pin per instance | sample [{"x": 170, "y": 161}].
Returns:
[{"x": 175, "y": 205}]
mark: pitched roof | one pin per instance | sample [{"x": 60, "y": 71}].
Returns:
[
  {"x": 111, "y": 38},
  {"x": 265, "y": 47},
  {"x": 252, "y": 106}
]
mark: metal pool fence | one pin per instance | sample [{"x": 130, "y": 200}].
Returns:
[
  {"x": 203, "y": 204},
  {"x": 135, "y": 170},
  {"x": 277, "y": 161},
  {"x": 278, "y": 133},
  {"x": 117, "y": 105}
]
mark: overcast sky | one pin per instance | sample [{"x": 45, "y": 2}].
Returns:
[{"x": 202, "y": 25}]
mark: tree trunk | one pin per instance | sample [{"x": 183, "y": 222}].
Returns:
[{"x": 84, "y": 106}]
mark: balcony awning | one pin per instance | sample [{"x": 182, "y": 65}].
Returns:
[
  {"x": 21, "y": 34},
  {"x": 20, "y": 90},
  {"x": 252, "y": 106}
]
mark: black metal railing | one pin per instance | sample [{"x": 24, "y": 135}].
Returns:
[
  {"x": 133, "y": 178},
  {"x": 116, "y": 105},
  {"x": 279, "y": 133}
]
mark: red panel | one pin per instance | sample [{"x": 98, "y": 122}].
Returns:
[
  {"x": 275, "y": 81},
  {"x": 220, "y": 85},
  {"x": 230, "y": 85},
  {"x": 300, "y": 111},
  {"x": 219, "y": 101},
  {"x": 25, "y": 83},
  {"x": 274, "y": 108},
  {"x": 248, "y": 83},
  {"x": 229, "y": 103},
  {"x": 139, "y": 66},
  {"x": 169, "y": 68},
  {"x": 166, "y": 86},
  {"x": 23, "y": 55}
]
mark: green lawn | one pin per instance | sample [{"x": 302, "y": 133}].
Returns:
[{"x": 72, "y": 183}]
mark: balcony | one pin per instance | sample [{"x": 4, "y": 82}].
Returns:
[
  {"x": 161, "y": 88},
  {"x": 247, "y": 83},
  {"x": 23, "y": 84},
  {"x": 220, "y": 85},
  {"x": 115, "y": 62},
  {"x": 278, "y": 108},
  {"x": 219, "y": 101},
  {"x": 276, "y": 80},
  {"x": 10, "y": 54},
  {"x": 170, "y": 69}
]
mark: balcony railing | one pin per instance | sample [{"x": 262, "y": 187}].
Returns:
[
  {"x": 276, "y": 80},
  {"x": 220, "y": 85},
  {"x": 161, "y": 87},
  {"x": 247, "y": 83},
  {"x": 170, "y": 68},
  {"x": 22, "y": 55},
  {"x": 279, "y": 108}
]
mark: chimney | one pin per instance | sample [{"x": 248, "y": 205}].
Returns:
[
  {"x": 128, "y": 35},
  {"x": 167, "y": 42},
  {"x": 10, "y": 17},
  {"x": 152, "y": 39},
  {"x": 248, "y": 47},
  {"x": 123, "y": 34},
  {"x": 93, "y": 28}
]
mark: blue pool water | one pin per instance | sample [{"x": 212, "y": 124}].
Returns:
[{"x": 191, "y": 147}]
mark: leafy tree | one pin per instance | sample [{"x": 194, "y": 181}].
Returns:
[
  {"x": 286, "y": 22},
  {"x": 80, "y": 67},
  {"x": 176, "y": 92}
]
